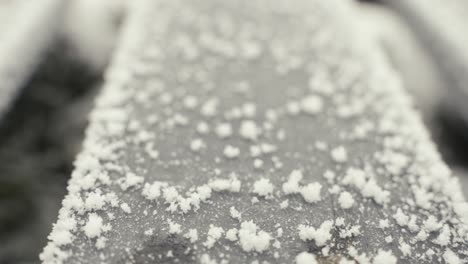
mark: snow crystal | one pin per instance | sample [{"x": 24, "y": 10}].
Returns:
[
  {"x": 223, "y": 130},
  {"x": 384, "y": 257},
  {"x": 230, "y": 185},
  {"x": 214, "y": 234},
  {"x": 231, "y": 234},
  {"x": 192, "y": 235},
  {"x": 251, "y": 239},
  {"x": 94, "y": 226},
  {"x": 311, "y": 192},
  {"x": 263, "y": 187},
  {"x": 320, "y": 235},
  {"x": 339, "y": 154},
  {"x": 451, "y": 258},
  {"x": 235, "y": 213},
  {"x": 231, "y": 152},
  {"x": 174, "y": 228},
  {"x": 311, "y": 104},
  {"x": 196, "y": 145},
  {"x": 292, "y": 185},
  {"x": 125, "y": 208},
  {"x": 345, "y": 200},
  {"x": 249, "y": 130},
  {"x": 305, "y": 258}
]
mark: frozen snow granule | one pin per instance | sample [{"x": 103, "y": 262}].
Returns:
[
  {"x": 292, "y": 185},
  {"x": 153, "y": 191},
  {"x": 61, "y": 237},
  {"x": 93, "y": 227},
  {"x": 231, "y": 234},
  {"x": 251, "y": 239},
  {"x": 235, "y": 213},
  {"x": 405, "y": 249},
  {"x": 339, "y": 154},
  {"x": 249, "y": 110},
  {"x": 263, "y": 187},
  {"x": 444, "y": 236},
  {"x": 383, "y": 223},
  {"x": 95, "y": 201},
  {"x": 174, "y": 228},
  {"x": 401, "y": 218},
  {"x": 384, "y": 257},
  {"x": 223, "y": 130},
  {"x": 149, "y": 232},
  {"x": 345, "y": 200},
  {"x": 311, "y": 192},
  {"x": 231, "y": 152},
  {"x": 209, "y": 108},
  {"x": 311, "y": 104},
  {"x": 101, "y": 242},
  {"x": 320, "y": 235},
  {"x": 293, "y": 108},
  {"x": 214, "y": 234},
  {"x": 284, "y": 204},
  {"x": 389, "y": 239},
  {"x": 192, "y": 235},
  {"x": 451, "y": 258},
  {"x": 258, "y": 163},
  {"x": 130, "y": 180},
  {"x": 203, "y": 128},
  {"x": 196, "y": 145},
  {"x": 249, "y": 130},
  {"x": 190, "y": 102},
  {"x": 230, "y": 185},
  {"x": 305, "y": 258},
  {"x": 125, "y": 208},
  {"x": 431, "y": 224}
]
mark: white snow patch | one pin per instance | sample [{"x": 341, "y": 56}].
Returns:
[
  {"x": 305, "y": 258},
  {"x": 263, "y": 187},
  {"x": 320, "y": 235},
  {"x": 251, "y": 239}
]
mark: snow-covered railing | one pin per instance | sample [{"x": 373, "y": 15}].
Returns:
[
  {"x": 255, "y": 132},
  {"x": 27, "y": 28}
]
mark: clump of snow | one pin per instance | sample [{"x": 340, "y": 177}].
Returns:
[
  {"x": 263, "y": 187},
  {"x": 384, "y": 257},
  {"x": 230, "y": 185},
  {"x": 223, "y": 130},
  {"x": 231, "y": 234},
  {"x": 320, "y": 235},
  {"x": 214, "y": 234},
  {"x": 451, "y": 258},
  {"x": 231, "y": 152},
  {"x": 311, "y": 104},
  {"x": 311, "y": 192},
  {"x": 339, "y": 154},
  {"x": 292, "y": 185},
  {"x": 94, "y": 226},
  {"x": 305, "y": 258},
  {"x": 196, "y": 145},
  {"x": 251, "y": 239},
  {"x": 345, "y": 200},
  {"x": 249, "y": 130},
  {"x": 192, "y": 235},
  {"x": 174, "y": 228}
]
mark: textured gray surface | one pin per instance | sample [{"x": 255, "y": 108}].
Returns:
[{"x": 178, "y": 58}]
